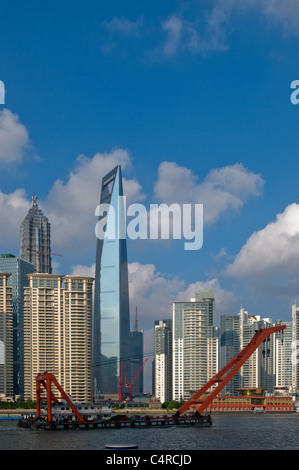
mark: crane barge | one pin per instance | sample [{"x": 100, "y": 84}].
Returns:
[{"x": 201, "y": 399}]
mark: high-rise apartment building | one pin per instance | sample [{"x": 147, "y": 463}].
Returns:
[
  {"x": 195, "y": 344},
  {"x": 18, "y": 269},
  {"x": 163, "y": 360},
  {"x": 283, "y": 358},
  {"x": 58, "y": 332},
  {"x": 35, "y": 239},
  {"x": 295, "y": 348},
  {"x": 258, "y": 369},
  {"x": 6, "y": 338},
  {"x": 111, "y": 322}
]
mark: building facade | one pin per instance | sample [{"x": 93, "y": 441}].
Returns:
[
  {"x": 163, "y": 360},
  {"x": 230, "y": 345},
  {"x": 136, "y": 363},
  {"x": 18, "y": 270},
  {"x": 6, "y": 338},
  {"x": 195, "y": 344},
  {"x": 58, "y": 332},
  {"x": 111, "y": 322},
  {"x": 35, "y": 239},
  {"x": 295, "y": 348}
]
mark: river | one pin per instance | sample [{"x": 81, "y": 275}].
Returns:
[{"x": 229, "y": 432}]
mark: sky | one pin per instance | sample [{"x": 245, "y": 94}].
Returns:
[{"x": 193, "y": 99}]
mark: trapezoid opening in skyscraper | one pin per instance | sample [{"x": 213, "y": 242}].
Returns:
[{"x": 111, "y": 316}]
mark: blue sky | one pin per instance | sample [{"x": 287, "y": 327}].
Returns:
[{"x": 192, "y": 98}]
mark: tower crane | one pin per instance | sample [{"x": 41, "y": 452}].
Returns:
[
  {"x": 120, "y": 381},
  {"x": 130, "y": 385}
]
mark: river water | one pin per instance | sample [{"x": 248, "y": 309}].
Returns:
[{"x": 229, "y": 432}]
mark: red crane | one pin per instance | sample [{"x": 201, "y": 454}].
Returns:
[
  {"x": 134, "y": 380},
  {"x": 120, "y": 381},
  {"x": 47, "y": 380},
  {"x": 228, "y": 371}
]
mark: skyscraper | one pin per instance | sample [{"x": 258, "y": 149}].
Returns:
[
  {"x": 6, "y": 337},
  {"x": 57, "y": 332},
  {"x": 195, "y": 344},
  {"x": 111, "y": 322},
  {"x": 18, "y": 269},
  {"x": 35, "y": 239},
  {"x": 136, "y": 348},
  {"x": 163, "y": 360}
]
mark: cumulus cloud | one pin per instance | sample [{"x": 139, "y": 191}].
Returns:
[
  {"x": 223, "y": 190},
  {"x": 153, "y": 292},
  {"x": 14, "y": 139},
  {"x": 71, "y": 204},
  {"x": 270, "y": 257},
  {"x": 13, "y": 208}
]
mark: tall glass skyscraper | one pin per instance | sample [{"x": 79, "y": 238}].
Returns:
[
  {"x": 18, "y": 270},
  {"x": 111, "y": 320},
  {"x": 35, "y": 239}
]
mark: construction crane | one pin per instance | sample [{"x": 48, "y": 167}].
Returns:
[
  {"x": 120, "y": 381},
  {"x": 226, "y": 374},
  {"x": 40, "y": 252},
  {"x": 130, "y": 385},
  {"x": 49, "y": 381}
]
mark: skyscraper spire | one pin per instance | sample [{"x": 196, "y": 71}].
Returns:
[
  {"x": 35, "y": 239},
  {"x": 34, "y": 198}
]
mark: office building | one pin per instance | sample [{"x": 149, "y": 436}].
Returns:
[
  {"x": 163, "y": 360},
  {"x": 18, "y": 270},
  {"x": 6, "y": 338},
  {"x": 35, "y": 239},
  {"x": 57, "y": 333},
  {"x": 137, "y": 360},
  {"x": 111, "y": 322},
  {"x": 195, "y": 344}
]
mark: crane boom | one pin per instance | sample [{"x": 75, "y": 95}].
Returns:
[
  {"x": 228, "y": 371},
  {"x": 130, "y": 385}
]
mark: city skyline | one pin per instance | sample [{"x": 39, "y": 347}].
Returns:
[{"x": 193, "y": 100}]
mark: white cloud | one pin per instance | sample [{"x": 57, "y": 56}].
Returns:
[
  {"x": 13, "y": 208},
  {"x": 124, "y": 26},
  {"x": 71, "y": 204},
  {"x": 14, "y": 139},
  {"x": 270, "y": 257},
  {"x": 222, "y": 190},
  {"x": 277, "y": 12},
  {"x": 152, "y": 292},
  {"x": 183, "y": 35},
  {"x": 225, "y": 301},
  {"x": 119, "y": 28}
]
